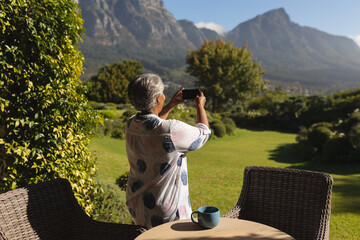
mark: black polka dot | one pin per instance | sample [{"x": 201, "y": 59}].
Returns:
[
  {"x": 149, "y": 200},
  {"x": 136, "y": 185},
  {"x": 141, "y": 165},
  {"x": 164, "y": 168},
  {"x": 168, "y": 145},
  {"x": 156, "y": 220}
]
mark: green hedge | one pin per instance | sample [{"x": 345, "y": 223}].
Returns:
[{"x": 45, "y": 119}]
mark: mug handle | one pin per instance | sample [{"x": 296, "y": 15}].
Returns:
[{"x": 192, "y": 219}]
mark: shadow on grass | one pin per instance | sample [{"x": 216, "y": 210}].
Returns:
[
  {"x": 286, "y": 153},
  {"x": 349, "y": 189},
  {"x": 264, "y": 129},
  {"x": 345, "y": 185}
]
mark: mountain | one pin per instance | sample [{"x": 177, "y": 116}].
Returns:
[
  {"x": 296, "y": 57},
  {"x": 298, "y": 54},
  {"x": 138, "y": 29}
]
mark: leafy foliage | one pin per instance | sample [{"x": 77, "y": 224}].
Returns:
[
  {"x": 109, "y": 204},
  {"x": 226, "y": 73},
  {"x": 45, "y": 120},
  {"x": 111, "y": 82},
  {"x": 277, "y": 110},
  {"x": 329, "y": 142},
  {"x": 218, "y": 127},
  {"x": 122, "y": 180}
]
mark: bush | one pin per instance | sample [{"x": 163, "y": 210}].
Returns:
[
  {"x": 122, "y": 181},
  {"x": 109, "y": 205},
  {"x": 347, "y": 125},
  {"x": 336, "y": 150},
  {"x": 114, "y": 128},
  {"x": 45, "y": 119},
  {"x": 354, "y": 156},
  {"x": 110, "y": 106},
  {"x": 230, "y": 125},
  {"x": 97, "y": 105},
  {"x": 118, "y": 133},
  {"x": 219, "y": 128},
  {"x": 323, "y": 124},
  {"x": 108, "y": 114},
  {"x": 318, "y": 136},
  {"x": 339, "y": 145},
  {"x": 129, "y": 113},
  {"x": 354, "y": 136}
]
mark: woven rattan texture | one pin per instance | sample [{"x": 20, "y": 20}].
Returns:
[
  {"x": 50, "y": 211},
  {"x": 295, "y": 201}
]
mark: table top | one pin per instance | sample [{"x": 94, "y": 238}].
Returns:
[{"x": 227, "y": 228}]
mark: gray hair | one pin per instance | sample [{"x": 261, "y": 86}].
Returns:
[{"x": 143, "y": 91}]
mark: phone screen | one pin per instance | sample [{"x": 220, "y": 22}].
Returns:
[{"x": 190, "y": 93}]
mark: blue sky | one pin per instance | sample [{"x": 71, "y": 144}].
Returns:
[{"x": 337, "y": 17}]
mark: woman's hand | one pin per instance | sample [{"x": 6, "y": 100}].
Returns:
[
  {"x": 200, "y": 100},
  {"x": 177, "y": 98}
]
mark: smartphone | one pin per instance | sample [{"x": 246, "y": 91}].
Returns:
[{"x": 190, "y": 93}]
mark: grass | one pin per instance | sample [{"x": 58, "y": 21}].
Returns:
[
  {"x": 111, "y": 158},
  {"x": 216, "y": 172}
]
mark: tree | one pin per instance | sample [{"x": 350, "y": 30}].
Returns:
[
  {"x": 44, "y": 117},
  {"x": 111, "y": 82},
  {"x": 225, "y": 73}
]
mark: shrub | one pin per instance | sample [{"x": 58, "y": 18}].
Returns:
[
  {"x": 336, "y": 150},
  {"x": 108, "y": 114},
  {"x": 109, "y": 205},
  {"x": 323, "y": 124},
  {"x": 230, "y": 125},
  {"x": 110, "y": 106},
  {"x": 354, "y": 136},
  {"x": 118, "y": 133},
  {"x": 97, "y": 105},
  {"x": 122, "y": 181},
  {"x": 347, "y": 125},
  {"x": 354, "y": 156},
  {"x": 129, "y": 113},
  {"x": 219, "y": 128},
  {"x": 45, "y": 118},
  {"x": 318, "y": 136}
]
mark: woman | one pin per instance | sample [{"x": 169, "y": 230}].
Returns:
[{"x": 157, "y": 189}]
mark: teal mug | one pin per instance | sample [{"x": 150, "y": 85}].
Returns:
[{"x": 208, "y": 217}]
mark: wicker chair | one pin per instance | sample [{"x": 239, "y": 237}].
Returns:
[
  {"x": 295, "y": 201},
  {"x": 49, "y": 210}
]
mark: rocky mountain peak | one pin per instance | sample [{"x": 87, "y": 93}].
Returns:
[{"x": 276, "y": 15}]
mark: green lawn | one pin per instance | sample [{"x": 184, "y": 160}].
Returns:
[{"x": 216, "y": 172}]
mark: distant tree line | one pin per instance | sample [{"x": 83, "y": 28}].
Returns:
[{"x": 279, "y": 111}]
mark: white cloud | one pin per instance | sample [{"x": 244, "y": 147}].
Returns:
[
  {"x": 356, "y": 39},
  {"x": 213, "y": 26}
]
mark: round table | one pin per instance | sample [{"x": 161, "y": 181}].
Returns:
[{"x": 228, "y": 228}]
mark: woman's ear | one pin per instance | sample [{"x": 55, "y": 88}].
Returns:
[{"x": 158, "y": 99}]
